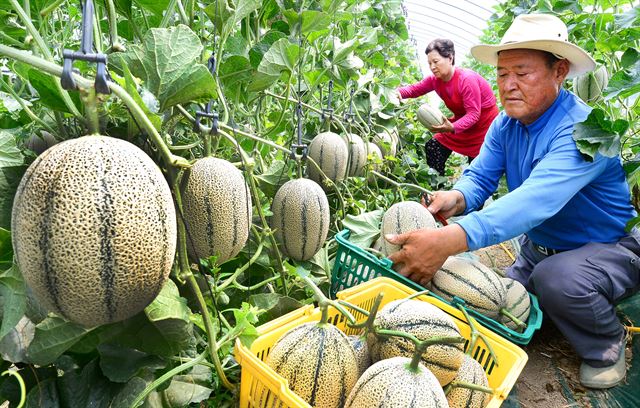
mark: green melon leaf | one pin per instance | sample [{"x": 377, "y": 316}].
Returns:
[
  {"x": 10, "y": 155},
  {"x": 364, "y": 228},
  {"x": 168, "y": 61},
  {"x": 54, "y": 336},
  {"x": 6, "y": 250},
  {"x": 312, "y": 20},
  {"x": 190, "y": 388},
  {"x": 273, "y": 305},
  {"x": 597, "y": 134},
  {"x": 86, "y": 387},
  {"x": 128, "y": 82},
  {"x": 120, "y": 364},
  {"x": 257, "y": 51},
  {"x": 13, "y": 292},
  {"x": 9, "y": 180},
  {"x": 155, "y": 6},
  {"x": 281, "y": 58},
  {"x": 128, "y": 394},
  {"x": 49, "y": 93},
  {"x": 13, "y": 346},
  {"x": 45, "y": 395},
  {"x": 624, "y": 83}
]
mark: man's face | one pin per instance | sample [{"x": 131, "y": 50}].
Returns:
[{"x": 527, "y": 85}]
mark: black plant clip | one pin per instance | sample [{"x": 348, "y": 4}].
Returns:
[
  {"x": 328, "y": 110},
  {"x": 299, "y": 149},
  {"x": 85, "y": 54},
  {"x": 211, "y": 64},
  {"x": 348, "y": 117}
]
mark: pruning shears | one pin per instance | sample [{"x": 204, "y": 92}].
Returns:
[{"x": 426, "y": 200}]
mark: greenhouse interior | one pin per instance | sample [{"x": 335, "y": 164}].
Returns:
[{"x": 328, "y": 203}]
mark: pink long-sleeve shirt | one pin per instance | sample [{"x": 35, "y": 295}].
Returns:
[{"x": 471, "y": 100}]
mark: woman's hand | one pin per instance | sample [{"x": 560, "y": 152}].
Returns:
[{"x": 446, "y": 127}]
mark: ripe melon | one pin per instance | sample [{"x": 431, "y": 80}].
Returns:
[
  {"x": 517, "y": 302},
  {"x": 479, "y": 286},
  {"x": 217, "y": 209},
  {"x": 361, "y": 349},
  {"x": 318, "y": 362},
  {"x": 391, "y": 384},
  {"x": 589, "y": 86},
  {"x": 94, "y": 229},
  {"x": 331, "y": 153},
  {"x": 357, "y": 154},
  {"x": 387, "y": 144},
  {"x": 470, "y": 372},
  {"x": 401, "y": 218},
  {"x": 429, "y": 116},
  {"x": 423, "y": 320},
  {"x": 300, "y": 218}
]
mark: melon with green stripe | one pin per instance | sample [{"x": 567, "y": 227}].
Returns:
[
  {"x": 424, "y": 321},
  {"x": 480, "y": 287},
  {"x": 300, "y": 218},
  {"x": 518, "y": 302},
  {"x": 319, "y": 363},
  {"x": 429, "y": 116},
  {"x": 391, "y": 383},
  {"x": 404, "y": 217},
  {"x": 589, "y": 86},
  {"x": 387, "y": 142},
  {"x": 94, "y": 229},
  {"x": 470, "y": 372},
  {"x": 217, "y": 209},
  {"x": 357, "y": 154},
  {"x": 330, "y": 152},
  {"x": 360, "y": 347}
]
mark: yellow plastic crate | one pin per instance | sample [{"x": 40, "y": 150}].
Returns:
[{"x": 260, "y": 386}]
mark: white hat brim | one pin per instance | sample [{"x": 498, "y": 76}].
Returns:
[{"x": 580, "y": 61}]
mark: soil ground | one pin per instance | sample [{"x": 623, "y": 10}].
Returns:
[{"x": 539, "y": 384}]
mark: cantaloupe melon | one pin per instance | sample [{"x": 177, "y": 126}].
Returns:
[
  {"x": 517, "y": 302},
  {"x": 387, "y": 145},
  {"x": 470, "y": 372},
  {"x": 390, "y": 384},
  {"x": 217, "y": 209},
  {"x": 300, "y": 218},
  {"x": 94, "y": 229},
  {"x": 361, "y": 349},
  {"x": 429, "y": 116},
  {"x": 319, "y": 363},
  {"x": 401, "y": 218},
  {"x": 424, "y": 321},
  {"x": 589, "y": 86},
  {"x": 357, "y": 154},
  {"x": 331, "y": 153},
  {"x": 479, "y": 286}
]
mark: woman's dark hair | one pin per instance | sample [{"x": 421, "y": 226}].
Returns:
[{"x": 444, "y": 47}]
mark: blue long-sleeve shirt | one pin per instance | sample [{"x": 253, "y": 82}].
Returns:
[{"x": 556, "y": 197}]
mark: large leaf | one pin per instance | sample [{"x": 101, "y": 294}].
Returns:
[
  {"x": 53, "y": 337},
  {"x": 312, "y": 20},
  {"x": 168, "y": 61},
  {"x": 155, "y": 6},
  {"x": 14, "y": 345},
  {"x": 13, "y": 292},
  {"x": 235, "y": 71},
  {"x": 10, "y": 155},
  {"x": 9, "y": 180},
  {"x": 597, "y": 134},
  {"x": 624, "y": 83},
  {"x": 120, "y": 364},
  {"x": 129, "y": 84},
  {"x": 257, "y": 51},
  {"x": 364, "y": 228},
  {"x": 86, "y": 387},
  {"x": 6, "y": 250},
  {"x": 45, "y": 395},
  {"x": 189, "y": 388},
  {"x": 282, "y": 57},
  {"x": 49, "y": 92}
]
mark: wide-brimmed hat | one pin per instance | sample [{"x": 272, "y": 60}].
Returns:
[{"x": 538, "y": 32}]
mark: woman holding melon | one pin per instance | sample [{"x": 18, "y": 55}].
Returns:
[{"x": 466, "y": 94}]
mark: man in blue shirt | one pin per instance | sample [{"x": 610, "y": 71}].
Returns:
[{"x": 575, "y": 255}]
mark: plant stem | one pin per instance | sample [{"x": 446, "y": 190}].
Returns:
[
  {"x": 400, "y": 185},
  {"x": 23, "y": 388},
  {"x": 470, "y": 386},
  {"x": 113, "y": 27},
  {"x": 51, "y": 7},
  {"x": 46, "y": 53}
]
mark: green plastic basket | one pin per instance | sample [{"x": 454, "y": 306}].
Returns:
[{"x": 353, "y": 266}]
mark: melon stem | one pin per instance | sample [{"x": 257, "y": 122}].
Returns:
[
  {"x": 518, "y": 322},
  {"x": 467, "y": 385},
  {"x": 324, "y": 303},
  {"x": 474, "y": 334}
]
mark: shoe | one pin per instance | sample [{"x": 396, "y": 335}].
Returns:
[{"x": 604, "y": 377}]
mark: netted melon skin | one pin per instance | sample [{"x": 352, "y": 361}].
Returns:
[
  {"x": 217, "y": 209},
  {"x": 94, "y": 229},
  {"x": 390, "y": 384},
  {"x": 517, "y": 302},
  {"x": 300, "y": 218},
  {"x": 319, "y": 363},
  {"x": 357, "y": 154},
  {"x": 470, "y": 372},
  {"x": 424, "y": 321},
  {"x": 403, "y": 217},
  {"x": 331, "y": 153}
]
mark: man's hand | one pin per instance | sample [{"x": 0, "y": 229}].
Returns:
[
  {"x": 446, "y": 203},
  {"x": 424, "y": 251},
  {"x": 446, "y": 127}
]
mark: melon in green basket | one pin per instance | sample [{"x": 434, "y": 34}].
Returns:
[{"x": 404, "y": 217}]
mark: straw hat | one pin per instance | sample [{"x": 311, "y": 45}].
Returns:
[{"x": 538, "y": 32}]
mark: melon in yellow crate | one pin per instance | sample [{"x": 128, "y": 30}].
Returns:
[{"x": 260, "y": 386}]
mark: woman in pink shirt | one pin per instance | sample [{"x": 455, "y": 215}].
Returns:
[{"x": 468, "y": 95}]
